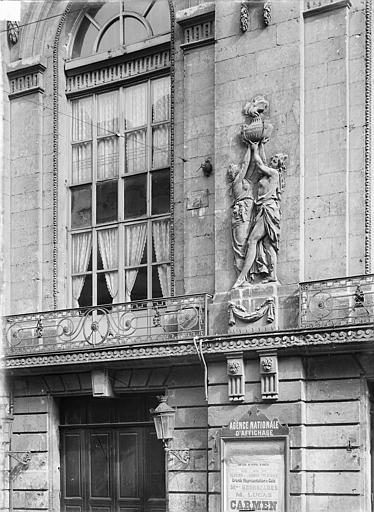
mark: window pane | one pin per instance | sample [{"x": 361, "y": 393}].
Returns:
[
  {"x": 107, "y": 249},
  {"x": 107, "y": 158},
  {"x": 81, "y": 208},
  {"x": 139, "y": 6},
  {"x": 159, "y": 17},
  {"x": 106, "y": 201},
  {"x": 82, "y": 162},
  {"x": 107, "y": 113},
  {"x": 136, "y": 284},
  {"x": 85, "y": 298},
  {"x": 160, "y": 192},
  {"x": 135, "y": 254},
  {"x": 161, "y": 241},
  {"x": 135, "y": 106},
  {"x": 160, "y": 99},
  {"x": 110, "y": 39},
  {"x": 107, "y": 287},
  {"x": 135, "y": 195},
  {"x": 82, "y": 119},
  {"x": 134, "y": 31},
  {"x": 156, "y": 286},
  {"x": 161, "y": 279},
  {"x": 135, "y": 244},
  {"x": 135, "y": 151},
  {"x": 160, "y": 147},
  {"x": 84, "y": 40},
  {"x": 106, "y": 12}
]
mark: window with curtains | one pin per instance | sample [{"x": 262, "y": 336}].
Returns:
[{"x": 120, "y": 194}]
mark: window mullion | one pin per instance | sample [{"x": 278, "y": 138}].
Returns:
[
  {"x": 94, "y": 178},
  {"x": 148, "y": 149}
]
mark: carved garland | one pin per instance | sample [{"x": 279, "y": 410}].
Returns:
[
  {"x": 55, "y": 137},
  {"x": 368, "y": 132},
  {"x": 223, "y": 345}
]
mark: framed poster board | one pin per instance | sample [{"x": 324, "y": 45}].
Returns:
[{"x": 254, "y": 469}]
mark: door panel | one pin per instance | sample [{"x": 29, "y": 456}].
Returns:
[
  {"x": 99, "y": 457},
  {"x": 128, "y": 463},
  {"x": 154, "y": 473},
  {"x": 116, "y": 469}
]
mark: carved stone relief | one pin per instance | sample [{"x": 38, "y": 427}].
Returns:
[{"x": 256, "y": 187}]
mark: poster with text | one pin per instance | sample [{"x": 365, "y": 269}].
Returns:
[{"x": 254, "y": 475}]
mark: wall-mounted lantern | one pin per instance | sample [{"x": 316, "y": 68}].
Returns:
[{"x": 164, "y": 420}]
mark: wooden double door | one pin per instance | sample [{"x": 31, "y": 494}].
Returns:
[{"x": 112, "y": 469}]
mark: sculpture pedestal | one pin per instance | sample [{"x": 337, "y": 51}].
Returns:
[{"x": 253, "y": 308}]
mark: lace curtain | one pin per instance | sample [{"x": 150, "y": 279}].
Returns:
[
  {"x": 108, "y": 247},
  {"x": 161, "y": 244},
  {"x": 81, "y": 252},
  {"x": 160, "y": 99},
  {"x": 135, "y": 238},
  {"x": 107, "y": 148},
  {"x": 82, "y": 131},
  {"x": 160, "y": 157}
]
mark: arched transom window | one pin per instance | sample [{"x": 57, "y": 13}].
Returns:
[{"x": 107, "y": 26}]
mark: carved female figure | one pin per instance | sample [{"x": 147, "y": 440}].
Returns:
[
  {"x": 263, "y": 240},
  {"x": 241, "y": 189}
]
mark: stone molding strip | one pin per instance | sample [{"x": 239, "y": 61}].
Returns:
[
  {"x": 313, "y": 11},
  {"x": 26, "y": 80},
  {"x": 116, "y": 73},
  {"x": 368, "y": 134},
  {"x": 301, "y": 339}
]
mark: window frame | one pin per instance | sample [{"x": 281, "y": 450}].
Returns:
[{"x": 121, "y": 222}]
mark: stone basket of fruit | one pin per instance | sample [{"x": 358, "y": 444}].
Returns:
[{"x": 257, "y": 130}]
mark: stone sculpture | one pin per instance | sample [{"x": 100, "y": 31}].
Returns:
[{"x": 256, "y": 189}]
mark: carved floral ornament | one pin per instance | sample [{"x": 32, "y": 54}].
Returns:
[
  {"x": 13, "y": 32},
  {"x": 244, "y": 15}
]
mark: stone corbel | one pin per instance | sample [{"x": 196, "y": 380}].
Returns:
[
  {"x": 269, "y": 375},
  {"x": 236, "y": 377}
]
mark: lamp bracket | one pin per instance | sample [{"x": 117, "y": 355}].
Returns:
[
  {"x": 182, "y": 455},
  {"x": 24, "y": 460}
]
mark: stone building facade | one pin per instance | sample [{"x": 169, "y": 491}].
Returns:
[{"x": 152, "y": 248}]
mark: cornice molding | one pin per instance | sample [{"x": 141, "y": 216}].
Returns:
[
  {"x": 117, "y": 72},
  {"x": 25, "y": 79},
  {"x": 301, "y": 340},
  {"x": 198, "y": 26},
  {"x": 321, "y": 9}
]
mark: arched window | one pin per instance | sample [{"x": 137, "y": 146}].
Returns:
[
  {"x": 120, "y": 177},
  {"x": 111, "y": 25}
]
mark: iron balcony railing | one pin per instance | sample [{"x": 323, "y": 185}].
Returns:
[
  {"x": 146, "y": 321},
  {"x": 335, "y": 302}
]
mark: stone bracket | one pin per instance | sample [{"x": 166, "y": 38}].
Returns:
[
  {"x": 269, "y": 375},
  {"x": 236, "y": 377}
]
